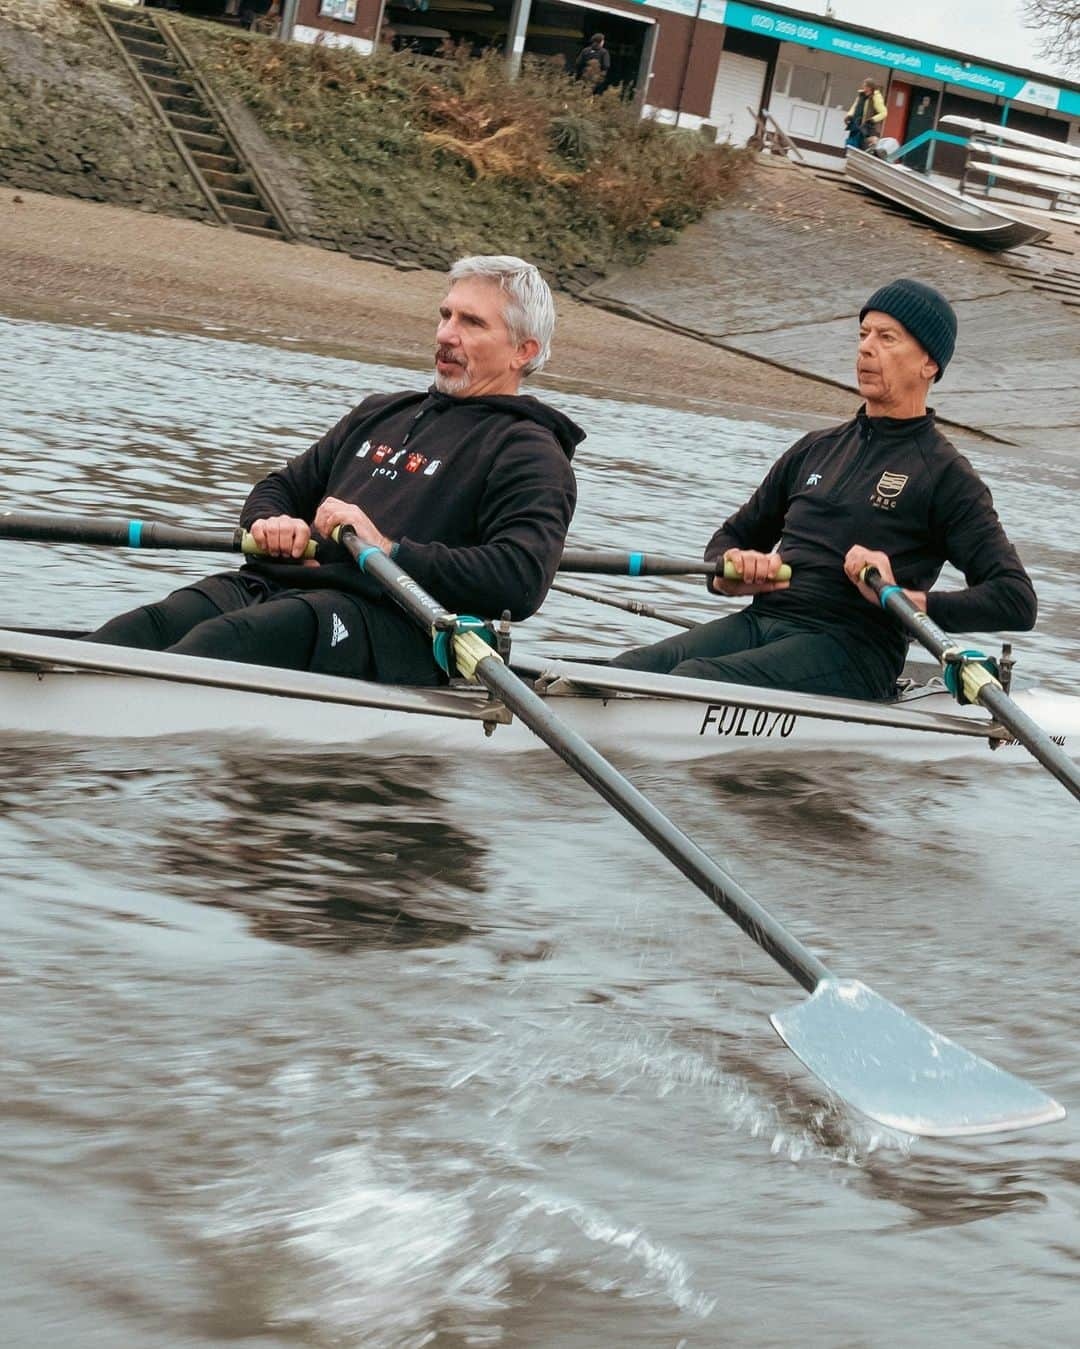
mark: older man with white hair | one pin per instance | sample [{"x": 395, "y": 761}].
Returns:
[{"x": 468, "y": 487}]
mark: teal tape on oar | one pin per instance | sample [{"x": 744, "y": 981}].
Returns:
[
  {"x": 134, "y": 533},
  {"x": 362, "y": 558},
  {"x": 635, "y": 563},
  {"x": 886, "y": 591},
  {"x": 443, "y": 647}
]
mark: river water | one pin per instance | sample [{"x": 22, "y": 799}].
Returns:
[{"x": 306, "y": 1049}]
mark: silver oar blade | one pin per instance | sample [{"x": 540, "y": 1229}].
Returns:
[{"x": 901, "y": 1073}]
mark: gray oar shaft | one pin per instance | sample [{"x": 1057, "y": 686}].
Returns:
[
  {"x": 605, "y": 562},
  {"x": 989, "y": 692},
  {"x": 116, "y": 533},
  {"x": 590, "y": 765},
  {"x": 627, "y": 606},
  {"x": 101, "y": 531},
  {"x": 1032, "y": 736},
  {"x": 695, "y": 864}
]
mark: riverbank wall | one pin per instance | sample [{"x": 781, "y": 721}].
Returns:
[
  {"x": 387, "y": 158},
  {"x": 72, "y": 122}
]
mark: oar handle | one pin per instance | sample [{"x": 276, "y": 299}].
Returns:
[
  {"x": 603, "y": 562},
  {"x": 110, "y": 532},
  {"x": 250, "y": 548}
]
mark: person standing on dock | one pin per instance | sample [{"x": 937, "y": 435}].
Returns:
[
  {"x": 593, "y": 63},
  {"x": 469, "y": 486},
  {"x": 885, "y": 489},
  {"x": 866, "y": 117}
]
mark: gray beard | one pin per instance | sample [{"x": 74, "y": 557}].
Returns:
[{"x": 452, "y": 384}]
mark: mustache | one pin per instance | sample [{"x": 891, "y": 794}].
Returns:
[{"x": 448, "y": 356}]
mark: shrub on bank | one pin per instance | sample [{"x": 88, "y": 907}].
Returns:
[{"x": 452, "y": 156}]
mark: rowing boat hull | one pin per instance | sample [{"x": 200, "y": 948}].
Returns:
[
  {"x": 90, "y": 704},
  {"x": 969, "y": 220}
]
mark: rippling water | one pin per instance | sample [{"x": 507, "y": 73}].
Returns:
[{"x": 307, "y": 1049}]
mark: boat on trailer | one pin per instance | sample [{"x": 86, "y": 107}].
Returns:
[
  {"x": 57, "y": 685},
  {"x": 973, "y": 221}
]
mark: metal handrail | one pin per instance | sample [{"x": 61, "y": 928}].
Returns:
[
  {"x": 151, "y": 98},
  {"x": 266, "y": 192}
]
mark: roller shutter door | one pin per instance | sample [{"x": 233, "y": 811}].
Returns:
[{"x": 740, "y": 81}]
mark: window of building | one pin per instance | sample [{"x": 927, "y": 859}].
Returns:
[
  {"x": 808, "y": 85},
  {"x": 843, "y": 89}
]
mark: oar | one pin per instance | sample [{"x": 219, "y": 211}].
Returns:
[
  {"x": 862, "y": 1047},
  {"x": 966, "y": 673},
  {"x": 604, "y": 562},
  {"x": 628, "y": 605},
  {"x": 117, "y": 533}
]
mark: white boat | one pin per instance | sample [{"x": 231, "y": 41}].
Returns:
[
  {"x": 1051, "y": 185},
  {"x": 1027, "y": 159},
  {"x": 968, "y": 219},
  {"x": 993, "y": 131},
  {"x": 53, "y": 685}
]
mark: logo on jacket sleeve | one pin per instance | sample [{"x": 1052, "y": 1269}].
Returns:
[{"x": 889, "y": 487}]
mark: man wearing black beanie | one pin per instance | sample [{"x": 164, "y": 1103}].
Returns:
[{"x": 885, "y": 489}]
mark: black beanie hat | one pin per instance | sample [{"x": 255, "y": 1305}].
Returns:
[{"x": 924, "y": 312}]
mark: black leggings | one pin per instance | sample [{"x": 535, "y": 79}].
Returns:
[
  {"x": 773, "y": 653},
  {"x": 282, "y": 633}
]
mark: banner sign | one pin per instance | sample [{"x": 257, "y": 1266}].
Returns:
[{"x": 914, "y": 62}]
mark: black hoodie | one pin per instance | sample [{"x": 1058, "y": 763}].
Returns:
[
  {"x": 477, "y": 493},
  {"x": 899, "y": 487}
]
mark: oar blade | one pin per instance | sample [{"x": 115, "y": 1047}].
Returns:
[{"x": 901, "y": 1073}]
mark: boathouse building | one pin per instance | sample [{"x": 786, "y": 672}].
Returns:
[{"x": 716, "y": 64}]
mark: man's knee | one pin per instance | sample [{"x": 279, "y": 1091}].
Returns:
[
  {"x": 218, "y": 638},
  {"x": 647, "y": 658},
  {"x": 702, "y": 668}
]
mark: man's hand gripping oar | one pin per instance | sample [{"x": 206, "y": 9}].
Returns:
[
  {"x": 868, "y": 1051},
  {"x": 110, "y": 532}
]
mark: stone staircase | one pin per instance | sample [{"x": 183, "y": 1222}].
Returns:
[{"x": 195, "y": 121}]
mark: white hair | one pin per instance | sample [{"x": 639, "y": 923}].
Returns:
[{"x": 529, "y": 310}]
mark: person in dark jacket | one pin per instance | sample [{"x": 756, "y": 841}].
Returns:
[
  {"x": 865, "y": 118},
  {"x": 885, "y": 489},
  {"x": 469, "y": 487},
  {"x": 593, "y": 63}
]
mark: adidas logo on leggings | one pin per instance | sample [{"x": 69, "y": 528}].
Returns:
[{"x": 339, "y": 631}]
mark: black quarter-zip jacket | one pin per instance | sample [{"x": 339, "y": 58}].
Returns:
[
  {"x": 896, "y": 486},
  {"x": 477, "y": 493}
]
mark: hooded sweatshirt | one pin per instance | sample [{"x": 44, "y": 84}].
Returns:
[
  {"x": 896, "y": 486},
  {"x": 477, "y": 494}
]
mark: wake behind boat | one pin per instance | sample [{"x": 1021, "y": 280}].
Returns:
[{"x": 61, "y": 686}]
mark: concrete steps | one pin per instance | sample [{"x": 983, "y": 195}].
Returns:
[{"x": 216, "y": 161}]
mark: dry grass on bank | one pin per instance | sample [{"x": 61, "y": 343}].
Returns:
[{"x": 455, "y": 155}]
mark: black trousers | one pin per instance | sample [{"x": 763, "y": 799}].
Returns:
[
  {"x": 244, "y": 621},
  {"x": 773, "y": 653},
  {"x": 245, "y": 616}
]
